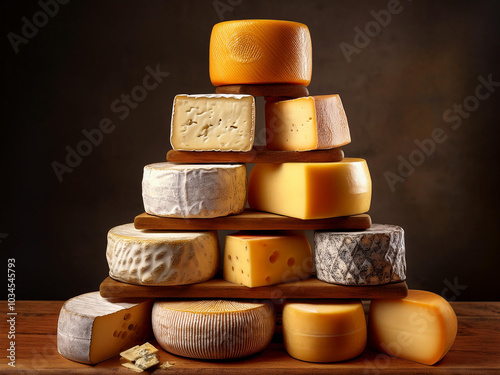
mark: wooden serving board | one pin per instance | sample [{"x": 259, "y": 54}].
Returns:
[
  {"x": 258, "y": 154},
  {"x": 476, "y": 351},
  {"x": 219, "y": 288},
  {"x": 277, "y": 90},
  {"x": 252, "y": 220}
]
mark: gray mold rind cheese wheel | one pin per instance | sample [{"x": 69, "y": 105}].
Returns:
[
  {"x": 213, "y": 329},
  {"x": 375, "y": 256}
]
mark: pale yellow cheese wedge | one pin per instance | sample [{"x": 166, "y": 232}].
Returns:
[
  {"x": 266, "y": 259},
  {"x": 324, "y": 331},
  {"x": 421, "y": 327},
  {"x": 311, "y": 190},
  {"x": 308, "y": 123}
]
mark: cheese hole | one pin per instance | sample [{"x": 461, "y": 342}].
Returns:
[
  {"x": 268, "y": 279},
  {"x": 273, "y": 257},
  {"x": 115, "y": 334},
  {"x": 130, "y": 327},
  {"x": 124, "y": 335},
  {"x": 232, "y": 268},
  {"x": 237, "y": 257},
  {"x": 242, "y": 271},
  {"x": 126, "y": 317},
  {"x": 290, "y": 262},
  {"x": 229, "y": 257}
]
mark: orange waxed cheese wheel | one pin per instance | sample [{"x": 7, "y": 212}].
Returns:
[{"x": 260, "y": 52}]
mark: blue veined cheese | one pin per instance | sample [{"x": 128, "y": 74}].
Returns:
[
  {"x": 91, "y": 328},
  {"x": 194, "y": 190},
  {"x": 213, "y": 329},
  {"x": 161, "y": 258},
  {"x": 374, "y": 256},
  {"x": 213, "y": 122}
]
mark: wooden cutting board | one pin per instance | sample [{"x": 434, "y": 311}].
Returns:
[
  {"x": 252, "y": 220},
  {"x": 258, "y": 154},
  {"x": 219, "y": 288}
]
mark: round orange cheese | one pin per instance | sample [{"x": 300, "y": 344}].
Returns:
[{"x": 260, "y": 52}]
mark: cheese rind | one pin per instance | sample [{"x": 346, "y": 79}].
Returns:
[
  {"x": 311, "y": 190},
  {"x": 194, "y": 190},
  {"x": 91, "y": 329},
  {"x": 260, "y": 52},
  {"x": 375, "y": 256},
  {"x": 420, "y": 327},
  {"x": 213, "y": 329},
  {"x": 161, "y": 258},
  {"x": 308, "y": 123},
  {"x": 324, "y": 331},
  {"x": 213, "y": 122},
  {"x": 254, "y": 259}
]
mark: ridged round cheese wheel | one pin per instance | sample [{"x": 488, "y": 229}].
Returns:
[
  {"x": 161, "y": 258},
  {"x": 213, "y": 329},
  {"x": 260, "y": 52},
  {"x": 194, "y": 190}
]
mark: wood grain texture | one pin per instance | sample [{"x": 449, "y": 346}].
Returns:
[
  {"x": 252, "y": 220},
  {"x": 219, "y": 288},
  {"x": 476, "y": 350},
  {"x": 258, "y": 154},
  {"x": 270, "y": 90}
]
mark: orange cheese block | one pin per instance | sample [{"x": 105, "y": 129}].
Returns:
[
  {"x": 260, "y": 52},
  {"x": 308, "y": 123},
  {"x": 324, "y": 331},
  {"x": 311, "y": 190},
  {"x": 420, "y": 327}
]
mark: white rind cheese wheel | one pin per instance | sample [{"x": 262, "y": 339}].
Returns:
[
  {"x": 260, "y": 52},
  {"x": 213, "y": 329},
  {"x": 375, "y": 256},
  {"x": 91, "y": 328},
  {"x": 161, "y": 258},
  {"x": 194, "y": 190}
]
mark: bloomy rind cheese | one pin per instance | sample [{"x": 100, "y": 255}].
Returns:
[
  {"x": 375, "y": 256},
  {"x": 213, "y": 122},
  {"x": 213, "y": 329},
  {"x": 420, "y": 327},
  {"x": 311, "y": 190},
  {"x": 81, "y": 337},
  {"x": 307, "y": 123},
  {"x": 161, "y": 258},
  {"x": 194, "y": 190},
  {"x": 260, "y": 52}
]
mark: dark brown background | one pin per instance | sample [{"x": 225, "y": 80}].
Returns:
[{"x": 395, "y": 91}]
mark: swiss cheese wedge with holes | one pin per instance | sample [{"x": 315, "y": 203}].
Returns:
[{"x": 91, "y": 328}]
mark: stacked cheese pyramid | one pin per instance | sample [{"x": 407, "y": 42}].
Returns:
[{"x": 272, "y": 59}]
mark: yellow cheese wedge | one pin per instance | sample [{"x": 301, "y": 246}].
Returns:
[
  {"x": 311, "y": 190},
  {"x": 260, "y": 52},
  {"x": 420, "y": 327},
  {"x": 308, "y": 123},
  {"x": 324, "y": 331},
  {"x": 257, "y": 260}
]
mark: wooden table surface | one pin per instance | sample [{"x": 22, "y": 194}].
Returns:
[{"x": 475, "y": 351}]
